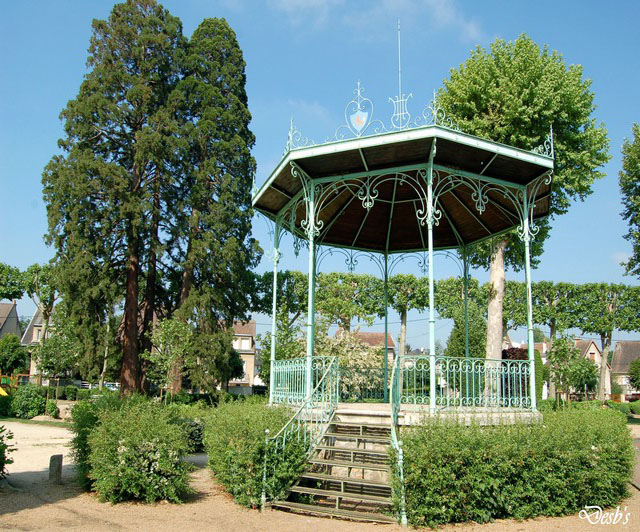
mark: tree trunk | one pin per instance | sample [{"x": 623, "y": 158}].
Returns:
[
  {"x": 106, "y": 353},
  {"x": 403, "y": 332},
  {"x": 130, "y": 376},
  {"x": 496, "y": 298},
  {"x": 606, "y": 347},
  {"x": 150, "y": 290}
]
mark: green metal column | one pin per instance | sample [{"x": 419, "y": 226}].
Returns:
[
  {"x": 527, "y": 270},
  {"x": 465, "y": 281},
  {"x": 276, "y": 260},
  {"x": 386, "y": 327},
  {"x": 311, "y": 301},
  {"x": 432, "y": 316}
]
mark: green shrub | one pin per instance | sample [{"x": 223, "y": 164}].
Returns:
[
  {"x": 455, "y": 473},
  {"x": 547, "y": 405},
  {"x": 60, "y": 393},
  {"x": 52, "y": 409},
  {"x": 5, "y": 449},
  {"x": 235, "y": 442},
  {"x": 84, "y": 418},
  {"x": 594, "y": 404},
  {"x": 191, "y": 418},
  {"x": 5, "y": 405},
  {"x": 70, "y": 392},
  {"x": 137, "y": 453},
  {"x": 621, "y": 407},
  {"x": 635, "y": 407},
  {"x": 82, "y": 394},
  {"x": 27, "y": 402}
]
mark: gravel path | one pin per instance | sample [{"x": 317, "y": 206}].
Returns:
[{"x": 28, "y": 502}]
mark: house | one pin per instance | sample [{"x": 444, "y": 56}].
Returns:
[
  {"x": 33, "y": 337},
  {"x": 244, "y": 342},
  {"x": 9, "y": 321},
  {"x": 625, "y": 352},
  {"x": 589, "y": 349},
  {"x": 375, "y": 339}
]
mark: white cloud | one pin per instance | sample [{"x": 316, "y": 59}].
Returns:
[
  {"x": 439, "y": 15},
  {"x": 301, "y": 11}
]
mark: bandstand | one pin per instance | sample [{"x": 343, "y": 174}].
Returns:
[{"x": 417, "y": 186}]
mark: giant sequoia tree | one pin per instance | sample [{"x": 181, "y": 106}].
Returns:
[
  {"x": 151, "y": 193},
  {"x": 513, "y": 94}
]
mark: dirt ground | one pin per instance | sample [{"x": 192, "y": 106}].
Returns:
[{"x": 29, "y": 502}]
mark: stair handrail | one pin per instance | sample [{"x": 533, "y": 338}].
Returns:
[
  {"x": 396, "y": 443},
  {"x": 314, "y": 413}
]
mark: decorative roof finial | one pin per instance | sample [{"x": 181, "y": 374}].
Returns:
[{"x": 401, "y": 117}]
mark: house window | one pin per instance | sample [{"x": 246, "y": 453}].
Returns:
[
  {"x": 246, "y": 344},
  {"x": 38, "y": 334}
]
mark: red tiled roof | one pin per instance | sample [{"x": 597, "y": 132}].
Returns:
[
  {"x": 246, "y": 328},
  {"x": 374, "y": 339}
]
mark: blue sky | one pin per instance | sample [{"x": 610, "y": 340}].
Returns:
[{"x": 303, "y": 60}]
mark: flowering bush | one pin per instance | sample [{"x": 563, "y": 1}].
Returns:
[
  {"x": 5, "y": 449},
  {"x": 137, "y": 452}
]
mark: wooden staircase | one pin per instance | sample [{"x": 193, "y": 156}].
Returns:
[{"x": 347, "y": 474}]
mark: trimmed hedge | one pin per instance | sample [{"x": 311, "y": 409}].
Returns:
[
  {"x": 137, "y": 452},
  {"x": 235, "y": 442},
  {"x": 28, "y": 402},
  {"x": 85, "y": 418},
  {"x": 635, "y": 407},
  {"x": 625, "y": 408},
  {"x": 70, "y": 392},
  {"x": 52, "y": 409},
  {"x": 5, "y": 405},
  {"x": 82, "y": 394},
  {"x": 455, "y": 473}
]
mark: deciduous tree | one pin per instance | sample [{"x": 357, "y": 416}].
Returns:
[
  {"x": 513, "y": 94},
  {"x": 11, "y": 282},
  {"x": 630, "y": 190}
]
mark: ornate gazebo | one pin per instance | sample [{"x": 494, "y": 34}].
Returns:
[{"x": 418, "y": 186}]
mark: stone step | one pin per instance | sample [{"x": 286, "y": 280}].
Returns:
[
  {"x": 352, "y": 451},
  {"x": 357, "y": 437},
  {"x": 346, "y": 463},
  {"x": 333, "y": 512},
  {"x": 336, "y": 494},
  {"x": 347, "y": 480}
]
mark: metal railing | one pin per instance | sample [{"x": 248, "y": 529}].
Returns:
[
  {"x": 466, "y": 382},
  {"x": 310, "y": 421},
  {"x": 289, "y": 378},
  {"x": 396, "y": 443}
]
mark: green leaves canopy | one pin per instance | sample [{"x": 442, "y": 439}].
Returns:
[{"x": 630, "y": 190}]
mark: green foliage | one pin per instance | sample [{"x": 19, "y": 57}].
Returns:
[
  {"x": 630, "y": 190},
  {"x": 70, "y": 392},
  {"x": 289, "y": 343},
  {"x": 5, "y": 449},
  {"x": 57, "y": 355},
  {"x": 27, "y": 402},
  {"x": 14, "y": 357},
  {"x": 11, "y": 282},
  {"x": 212, "y": 361},
  {"x": 583, "y": 375},
  {"x": 616, "y": 389},
  {"x": 477, "y": 332},
  {"x": 235, "y": 442},
  {"x": 171, "y": 340},
  {"x": 191, "y": 418},
  {"x": 341, "y": 297},
  {"x": 634, "y": 374},
  {"x": 513, "y": 93},
  {"x": 561, "y": 357},
  {"x": 162, "y": 191},
  {"x": 83, "y": 394},
  {"x": 85, "y": 416},
  {"x": 5, "y": 405},
  {"x": 52, "y": 409},
  {"x": 138, "y": 453},
  {"x": 455, "y": 473},
  {"x": 625, "y": 408},
  {"x": 635, "y": 407}
]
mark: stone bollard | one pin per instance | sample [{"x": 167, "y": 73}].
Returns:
[{"x": 55, "y": 469}]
